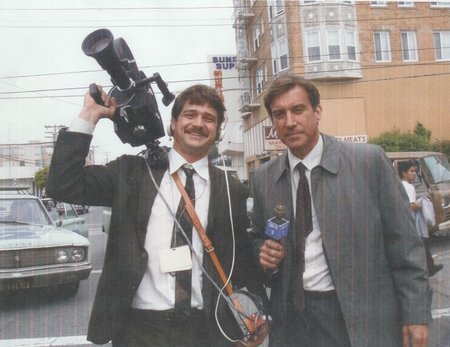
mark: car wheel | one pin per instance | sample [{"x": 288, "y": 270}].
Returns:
[{"x": 68, "y": 289}]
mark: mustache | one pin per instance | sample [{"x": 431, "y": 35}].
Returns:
[{"x": 197, "y": 130}]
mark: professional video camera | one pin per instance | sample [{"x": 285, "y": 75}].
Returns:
[{"x": 137, "y": 120}]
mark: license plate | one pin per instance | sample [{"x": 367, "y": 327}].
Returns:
[{"x": 18, "y": 284}]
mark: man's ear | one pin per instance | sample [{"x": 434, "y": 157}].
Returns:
[{"x": 318, "y": 112}]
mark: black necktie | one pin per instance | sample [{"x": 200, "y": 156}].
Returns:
[
  {"x": 303, "y": 226},
  {"x": 183, "y": 278}
]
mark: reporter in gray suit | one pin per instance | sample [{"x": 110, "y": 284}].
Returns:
[
  {"x": 135, "y": 304},
  {"x": 361, "y": 280}
]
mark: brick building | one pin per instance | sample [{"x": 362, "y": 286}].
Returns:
[{"x": 379, "y": 65}]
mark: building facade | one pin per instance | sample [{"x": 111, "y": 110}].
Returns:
[
  {"x": 19, "y": 163},
  {"x": 379, "y": 65}
]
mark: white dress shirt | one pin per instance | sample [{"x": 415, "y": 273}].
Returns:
[
  {"x": 317, "y": 275},
  {"x": 157, "y": 290}
]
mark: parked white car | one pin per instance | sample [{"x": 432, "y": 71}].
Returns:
[{"x": 36, "y": 252}]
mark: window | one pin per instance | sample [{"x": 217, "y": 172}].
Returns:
[
  {"x": 279, "y": 6},
  {"x": 409, "y": 46},
  {"x": 313, "y": 46},
  {"x": 442, "y": 3},
  {"x": 256, "y": 36},
  {"x": 405, "y": 3},
  {"x": 276, "y": 7},
  {"x": 351, "y": 45},
  {"x": 280, "y": 55},
  {"x": 259, "y": 80},
  {"x": 334, "y": 46},
  {"x": 442, "y": 45},
  {"x": 283, "y": 54},
  {"x": 378, "y": 3},
  {"x": 382, "y": 46}
]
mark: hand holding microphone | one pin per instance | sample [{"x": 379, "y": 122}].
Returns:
[{"x": 272, "y": 251}]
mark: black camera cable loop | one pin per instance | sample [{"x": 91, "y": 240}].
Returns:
[{"x": 208, "y": 276}]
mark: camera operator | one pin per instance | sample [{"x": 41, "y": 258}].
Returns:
[{"x": 136, "y": 304}]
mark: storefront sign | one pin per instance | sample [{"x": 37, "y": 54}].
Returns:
[
  {"x": 271, "y": 140},
  {"x": 353, "y": 138}
]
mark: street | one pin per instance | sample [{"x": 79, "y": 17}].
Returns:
[{"x": 40, "y": 318}]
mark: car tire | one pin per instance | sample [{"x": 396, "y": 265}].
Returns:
[{"x": 68, "y": 290}]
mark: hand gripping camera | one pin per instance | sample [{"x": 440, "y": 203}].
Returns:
[{"x": 137, "y": 120}]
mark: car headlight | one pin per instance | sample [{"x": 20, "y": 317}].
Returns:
[
  {"x": 78, "y": 254},
  {"x": 62, "y": 256}
]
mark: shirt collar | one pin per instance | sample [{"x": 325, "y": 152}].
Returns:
[
  {"x": 311, "y": 160},
  {"x": 176, "y": 161}
]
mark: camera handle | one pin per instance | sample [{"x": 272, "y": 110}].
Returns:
[
  {"x": 96, "y": 94},
  {"x": 162, "y": 86}
]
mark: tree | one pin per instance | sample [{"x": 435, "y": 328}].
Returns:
[
  {"x": 394, "y": 141},
  {"x": 420, "y": 130},
  {"x": 419, "y": 140},
  {"x": 40, "y": 177}
]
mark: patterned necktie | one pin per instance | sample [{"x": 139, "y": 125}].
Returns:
[
  {"x": 183, "y": 278},
  {"x": 303, "y": 226}
]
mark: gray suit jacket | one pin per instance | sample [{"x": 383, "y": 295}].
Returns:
[
  {"x": 125, "y": 185},
  {"x": 376, "y": 259}
]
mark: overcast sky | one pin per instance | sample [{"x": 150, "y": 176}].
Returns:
[{"x": 41, "y": 61}]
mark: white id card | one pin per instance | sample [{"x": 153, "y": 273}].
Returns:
[{"x": 175, "y": 259}]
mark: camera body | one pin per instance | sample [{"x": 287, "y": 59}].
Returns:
[{"x": 137, "y": 120}]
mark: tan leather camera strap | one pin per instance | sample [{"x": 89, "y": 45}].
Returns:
[{"x": 207, "y": 244}]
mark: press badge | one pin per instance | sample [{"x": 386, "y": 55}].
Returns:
[{"x": 175, "y": 259}]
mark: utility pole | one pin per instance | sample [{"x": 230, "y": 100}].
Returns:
[{"x": 53, "y": 133}]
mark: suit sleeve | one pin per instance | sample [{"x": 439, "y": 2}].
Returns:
[
  {"x": 69, "y": 180},
  {"x": 405, "y": 250}
]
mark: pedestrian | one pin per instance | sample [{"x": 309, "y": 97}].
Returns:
[
  {"x": 407, "y": 173},
  {"x": 351, "y": 271},
  {"x": 143, "y": 294}
]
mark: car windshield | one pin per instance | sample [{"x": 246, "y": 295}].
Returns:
[
  {"x": 27, "y": 211},
  {"x": 438, "y": 167}
]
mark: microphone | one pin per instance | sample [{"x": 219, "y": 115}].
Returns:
[{"x": 277, "y": 227}]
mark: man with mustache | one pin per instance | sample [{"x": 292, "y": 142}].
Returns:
[
  {"x": 351, "y": 271},
  {"x": 139, "y": 297}
]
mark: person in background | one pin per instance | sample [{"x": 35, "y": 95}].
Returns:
[
  {"x": 351, "y": 271},
  {"x": 137, "y": 302},
  {"x": 407, "y": 173}
]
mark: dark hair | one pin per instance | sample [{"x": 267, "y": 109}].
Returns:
[
  {"x": 199, "y": 94},
  {"x": 404, "y": 166},
  {"x": 285, "y": 83}
]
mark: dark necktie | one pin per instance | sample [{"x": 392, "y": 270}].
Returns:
[
  {"x": 183, "y": 278},
  {"x": 303, "y": 226}
]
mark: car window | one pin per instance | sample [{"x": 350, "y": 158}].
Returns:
[
  {"x": 438, "y": 167},
  {"x": 70, "y": 212},
  {"x": 22, "y": 211}
]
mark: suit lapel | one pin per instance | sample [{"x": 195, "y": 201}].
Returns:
[{"x": 216, "y": 197}]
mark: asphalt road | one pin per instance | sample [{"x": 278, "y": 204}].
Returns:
[{"x": 40, "y": 318}]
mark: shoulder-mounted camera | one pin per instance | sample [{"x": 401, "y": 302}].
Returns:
[{"x": 137, "y": 120}]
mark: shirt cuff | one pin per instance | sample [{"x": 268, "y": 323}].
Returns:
[{"x": 80, "y": 125}]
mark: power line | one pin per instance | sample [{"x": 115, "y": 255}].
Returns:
[
  {"x": 365, "y": 67},
  {"x": 245, "y": 89},
  {"x": 374, "y": 19},
  {"x": 191, "y": 63}
]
